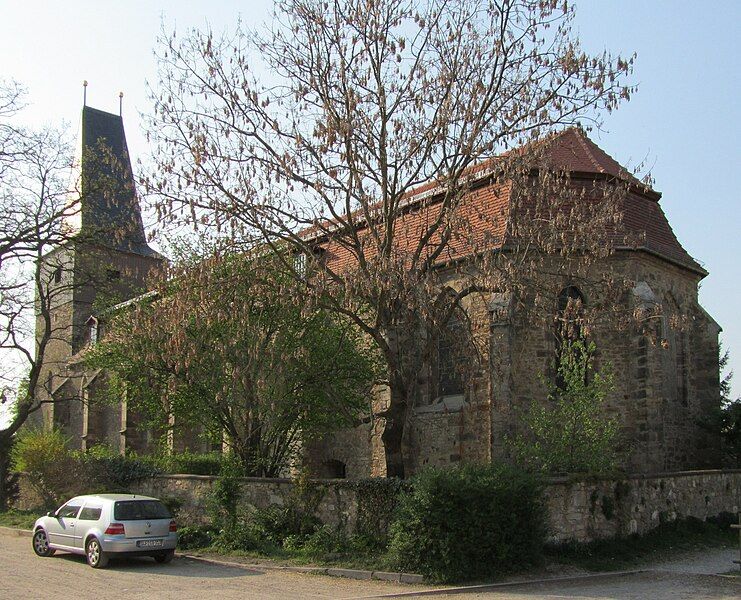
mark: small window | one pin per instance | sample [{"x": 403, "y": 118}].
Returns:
[
  {"x": 299, "y": 264},
  {"x": 58, "y": 275},
  {"x": 93, "y": 325},
  {"x": 112, "y": 274},
  {"x": 69, "y": 510},
  {"x": 90, "y": 513}
]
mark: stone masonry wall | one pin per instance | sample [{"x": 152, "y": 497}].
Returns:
[
  {"x": 665, "y": 370},
  {"x": 579, "y": 510}
]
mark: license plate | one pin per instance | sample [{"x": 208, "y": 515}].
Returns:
[{"x": 149, "y": 544}]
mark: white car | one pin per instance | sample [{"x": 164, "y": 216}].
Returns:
[{"x": 102, "y": 526}]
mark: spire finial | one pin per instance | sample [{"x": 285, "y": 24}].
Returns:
[
  {"x": 120, "y": 104},
  {"x": 84, "y": 92}
]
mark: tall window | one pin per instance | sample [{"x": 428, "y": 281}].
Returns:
[
  {"x": 450, "y": 359},
  {"x": 675, "y": 357},
  {"x": 569, "y": 323}
]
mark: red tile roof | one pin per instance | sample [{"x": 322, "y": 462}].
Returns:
[{"x": 484, "y": 210}]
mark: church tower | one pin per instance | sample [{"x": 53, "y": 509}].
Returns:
[{"x": 105, "y": 260}]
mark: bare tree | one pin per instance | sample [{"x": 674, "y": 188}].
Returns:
[
  {"x": 35, "y": 206},
  {"x": 359, "y": 134}
]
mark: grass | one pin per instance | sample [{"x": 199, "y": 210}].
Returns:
[
  {"x": 366, "y": 562},
  {"x": 20, "y": 519},
  {"x": 668, "y": 539}
]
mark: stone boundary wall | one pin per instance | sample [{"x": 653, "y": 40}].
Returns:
[
  {"x": 579, "y": 509},
  {"x": 585, "y": 510}
]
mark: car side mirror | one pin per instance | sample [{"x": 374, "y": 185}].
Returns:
[{"x": 50, "y": 514}]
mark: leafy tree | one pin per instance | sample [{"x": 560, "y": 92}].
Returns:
[
  {"x": 361, "y": 103},
  {"x": 231, "y": 345},
  {"x": 571, "y": 433},
  {"x": 726, "y": 418}
]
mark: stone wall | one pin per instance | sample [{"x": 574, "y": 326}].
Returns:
[
  {"x": 579, "y": 510},
  {"x": 665, "y": 367},
  {"x": 589, "y": 510},
  {"x": 337, "y": 507}
]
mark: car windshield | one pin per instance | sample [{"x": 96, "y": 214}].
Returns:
[{"x": 138, "y": 510}]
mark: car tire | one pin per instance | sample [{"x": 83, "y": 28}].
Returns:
[
  {"x": 165, "y": 557},
  {"x": 41, "y": 544},
  {"x": 96, "y": 558}
]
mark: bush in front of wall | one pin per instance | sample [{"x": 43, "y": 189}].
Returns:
[{"x": 472, "y": 522}]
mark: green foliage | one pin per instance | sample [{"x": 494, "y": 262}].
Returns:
[
  {"x": 223, "y": 501},
  {"x": 571, "y": 434},
  {"x": 45, "y": 457},
  {"x": 377, "y": 499},
  {"x": 104, "y": 470},
  {"x": 243, "y": 536},
  {"x": 725, "y": 420},
  {"x": 21, "y": 519},
  {"x": 295, "y": 518},
  {"x": 195, "y": 464},
  {"x": 190, "y": 463},
  {"x": 231, "y": 347},
  {"x": 468, "y": 523},
  {"x": 195, "y": 537}
]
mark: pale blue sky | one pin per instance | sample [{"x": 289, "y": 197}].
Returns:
[{"x": 684, "y": 120}]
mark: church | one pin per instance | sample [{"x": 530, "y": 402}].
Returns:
[{"x": 663, "y": 387}]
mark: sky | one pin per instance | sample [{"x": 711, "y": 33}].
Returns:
[{"x": 684, "y": 121}]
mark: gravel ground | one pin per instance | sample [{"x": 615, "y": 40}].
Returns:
[{"x": 24, "y": 575}]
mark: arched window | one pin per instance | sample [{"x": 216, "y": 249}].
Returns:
[
  {"x": 450, "y": 359},
  {"x": 569, "y": 324}
]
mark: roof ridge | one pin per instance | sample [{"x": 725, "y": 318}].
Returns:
[{"x": 582, "y": 139}]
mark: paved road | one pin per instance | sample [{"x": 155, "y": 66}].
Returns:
[{"x": 23, "y": 575}]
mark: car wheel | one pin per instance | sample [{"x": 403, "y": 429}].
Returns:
[
  {"x": 165, "y": 557},
  {"x": 96, "y": 558},
  {"x": 41, "y": 544}
]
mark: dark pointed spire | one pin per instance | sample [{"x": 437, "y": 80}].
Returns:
[{"x": 110, "y": 214}]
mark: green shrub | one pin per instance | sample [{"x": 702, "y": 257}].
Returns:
[
  {"x": 468, "y": 523},
  {"x": 277, "y": 523},
  {"x": 244, "y": 536},
  {"x": 571, "y": 433},
  {"x": 190, "y": 463},
  {"x": 327, "y": 540},
  {"x": 224, "y": 498},
  {"x": 107, "y": 471},
  {"x": 194, "y": 537},
  {"x": 296, "y": 517},
  {"x": 45, "y": 457},
  {"x": 377, "y": 499},
  {"x": 195, "y": 464}
]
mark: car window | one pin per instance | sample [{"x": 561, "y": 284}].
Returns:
[
  {"x": 138, "y": 510},
  {"x": 69, "y": 510},
  {"x": 90, "y": 513}
]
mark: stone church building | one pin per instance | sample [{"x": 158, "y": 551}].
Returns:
[
  {"x": 665, "y": 369},
  {"x": 107, "y": 260},
  {"x": 662, "y": 386}
]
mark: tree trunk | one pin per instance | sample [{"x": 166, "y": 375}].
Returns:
[{"x": 393, "y": 432}]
